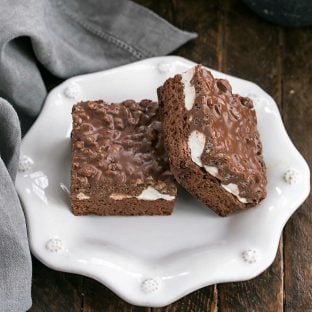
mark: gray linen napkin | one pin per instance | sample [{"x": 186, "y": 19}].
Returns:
[
  {"x": 15, "y": 265},
  {"x": 67, "y": 38},
  {"x": 73, "y": 37}
]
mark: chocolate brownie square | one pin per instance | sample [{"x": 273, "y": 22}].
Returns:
[
  {"x": 119, "y": 166},
  {"x": 212, "y": 141}
]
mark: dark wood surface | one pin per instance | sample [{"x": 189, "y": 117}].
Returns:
[{"x": 234, "y": 40}]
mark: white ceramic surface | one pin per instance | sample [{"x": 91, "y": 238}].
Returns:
[{"x": 152, "y": 261}]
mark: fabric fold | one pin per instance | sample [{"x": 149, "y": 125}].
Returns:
[
  {"x": 66, "y": 38},
  {"x": 15, "y": 261},
  {"x": 74, "y": 37}
]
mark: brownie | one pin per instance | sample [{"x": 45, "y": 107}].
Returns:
[
  {"x": 119, "y": 166},
  {"x": 212, "y": 141}
]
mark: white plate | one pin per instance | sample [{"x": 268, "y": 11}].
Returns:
[{"x": 152, "y": 261}]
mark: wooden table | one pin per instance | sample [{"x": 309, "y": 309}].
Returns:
[{"x": 234, "y": 40}]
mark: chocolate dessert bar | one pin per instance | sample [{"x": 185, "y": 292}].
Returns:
[
  {"x": 119, "y": 166},
  {"x": 211, "y": 137}
]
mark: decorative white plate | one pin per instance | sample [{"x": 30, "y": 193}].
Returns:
[{"x": 152, "y": 261}]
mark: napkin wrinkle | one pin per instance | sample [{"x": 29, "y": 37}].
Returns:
[
  {"x": 100, "y": 32},
  {"x": 10, "y": 137},
  {"x": 64, "y": 38},
  {"x": 15, "y": 261},
  {"x": 113, "y": 33}
]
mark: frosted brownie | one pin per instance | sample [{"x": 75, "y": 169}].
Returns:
[
  {"x": 119, "y": 166},
  {"x": 211, "y": 137}
]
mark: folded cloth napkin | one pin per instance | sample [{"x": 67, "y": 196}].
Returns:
[
  {"x": 15, "y": 265},
  {"x": 67, "y": 38}
]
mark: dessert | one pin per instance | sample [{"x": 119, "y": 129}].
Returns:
[
  {"x": 212, "y": 141},
  {"x": 119, "y": 166}
]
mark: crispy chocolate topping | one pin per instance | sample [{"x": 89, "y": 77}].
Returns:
[
  {"x": 119, "y": 144},
  {"x": 232, "y": 146}
]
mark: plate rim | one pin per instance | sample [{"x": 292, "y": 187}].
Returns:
[{"x": 149, "y": 299}]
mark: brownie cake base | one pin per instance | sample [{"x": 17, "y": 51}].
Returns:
[
  {"x": 126, "y": 207},
  {"x": 119, "y": 166},
  {"x": 212, "y": 141}
]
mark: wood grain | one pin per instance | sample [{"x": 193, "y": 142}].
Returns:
[
  {"x": 201, "y": 300},
  {"x": 261, "y": 294},
  {"x": 162, "y": 8},
  {"x": 232, "y": 39},
  {"x": 207, "y": 25},
  {"x": 99, "y": 298},
  {"x": 203, "y": 18},
  {"x": 297, "y": 113},
  {"x": 251, "y": 51},
  {"x": 54, "y": 291}
]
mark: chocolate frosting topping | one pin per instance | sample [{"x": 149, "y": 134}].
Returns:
[
  {"x": 119, "y": 143},
  {"x": 228, "y": 122}
]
